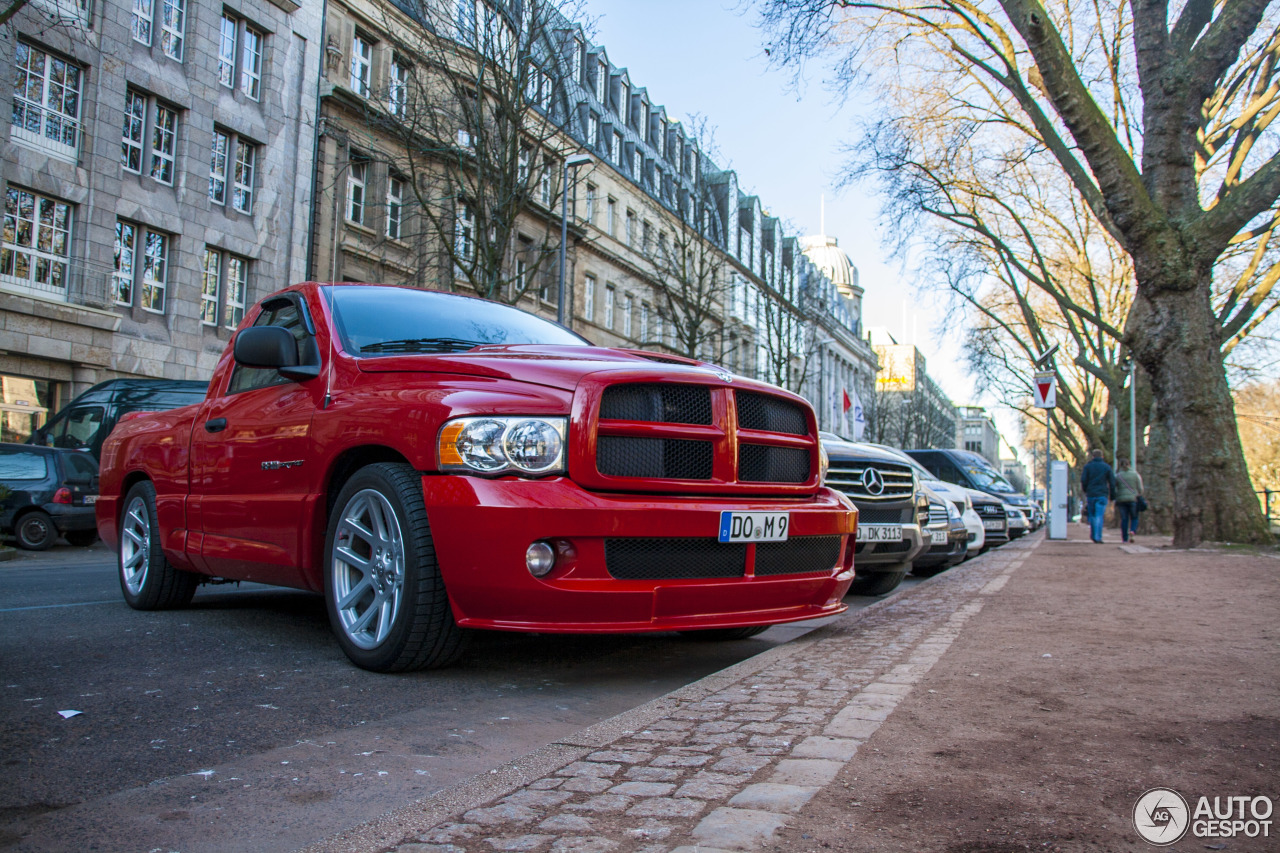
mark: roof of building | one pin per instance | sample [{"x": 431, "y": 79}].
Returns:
[{"x": 825, "y": 252}]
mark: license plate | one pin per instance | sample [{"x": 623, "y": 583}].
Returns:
[
  {"x": 939, "y": 536},
  {"x": 754, "y": 526},
  {"x": 879, "y": 532},
  {"x": 992, "y": 524},
  {"x": 90, "y": 500}
]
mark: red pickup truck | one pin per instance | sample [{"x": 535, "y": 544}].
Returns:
[{"x": 433, "y": 462}]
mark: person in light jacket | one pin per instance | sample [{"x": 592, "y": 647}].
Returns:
[
  {"x": 1128, "y": 488},
  {"x": 1098, "y": 483}
]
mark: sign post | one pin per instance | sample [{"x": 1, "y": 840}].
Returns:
[{"x": 1044, "y": 385}]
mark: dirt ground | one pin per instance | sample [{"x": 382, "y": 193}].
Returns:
[{"x": 1092, "y": 677}]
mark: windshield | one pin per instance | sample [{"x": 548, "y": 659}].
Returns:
[
  {"x": 377, "y": 321},
  {"x": 988, "y": 480}
]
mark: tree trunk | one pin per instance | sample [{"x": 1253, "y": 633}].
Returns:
[
  {"x": 1174, "y": 335},
  {"x": 1153, "y": 465}
]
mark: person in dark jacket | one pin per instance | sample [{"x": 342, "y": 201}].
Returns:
[{"x": 1098, "y": 483}]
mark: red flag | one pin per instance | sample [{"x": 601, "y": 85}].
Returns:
[{"x": 848, "y": 404}]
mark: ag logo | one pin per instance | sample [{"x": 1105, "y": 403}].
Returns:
[
  {"x": 1161, "y": 816},
  {"x": 872, "y": 482}
]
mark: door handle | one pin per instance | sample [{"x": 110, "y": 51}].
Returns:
[{"x": 215, "y": 425}]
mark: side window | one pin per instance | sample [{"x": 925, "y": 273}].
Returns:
[
  {"x": 78, "y": 428},
  {"x": 946, "y": 470},
  {"x": 78, "y": 465},
  {"x": 286, "y": 314}
]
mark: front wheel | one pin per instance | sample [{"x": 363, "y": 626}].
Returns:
[
  {"x": 147, "y": 578},
  {"x": 35, "y": 531},
  {"x": 878, "y": 582},
  {"x": 383, "y": 590}
]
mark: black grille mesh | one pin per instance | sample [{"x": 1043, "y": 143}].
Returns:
[
  {"x": 760, "y": 411},
  {"x": 668, "y": 404},
  {"x": 758, "y": 463},
  {"x": 658, "y": 559},
  {"x": 669, "y": 458},
  {"x": 798, "y": 556},
  {"x": 880, "y": 515}
]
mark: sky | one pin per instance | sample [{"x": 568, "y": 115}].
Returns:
[{"x": 787, "y": 144}]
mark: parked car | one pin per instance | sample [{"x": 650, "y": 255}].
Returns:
[
  {"x": 432, "y": 462},
  {"x": 1018, "y": 524},
  {"x": 51, "y": 492},
  {"x": 948, "y": 536},
  {"x": 85, "y": 422},
  {"x": 963, "y": 498},
  {"x": 892, "y": 511},
  {"x": 966, "y": 468}
]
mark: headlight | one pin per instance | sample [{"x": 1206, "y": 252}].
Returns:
[
  {"x": 824, "y": 464},
  {"x": 952, "y": 512},
  {"x": 968, "y": 503},
  {"x": 503, "y": 445}
]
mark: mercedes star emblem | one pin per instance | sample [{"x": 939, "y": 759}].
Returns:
[{"x": 872, "y": 481}]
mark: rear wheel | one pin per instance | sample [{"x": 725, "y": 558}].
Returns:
[
  {"x": 147, "y": 578},
  {"x": 715, "y": 635},
  {"x": 880, "y": 581},
  {"x": 35, "y": 531},
  {"x": 385, "y": 596}
]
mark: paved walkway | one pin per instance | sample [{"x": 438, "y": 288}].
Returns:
[{"x": 722, "y": 764}]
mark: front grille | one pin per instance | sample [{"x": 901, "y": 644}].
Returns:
[
  {"x": 938, "y": 514},
  {"x": 762, "y": 412},
  {"x": 654, "y": 458},
  {"x": 798, "y": 556},
  {"x": 662, "y": 559},
  {"x": 668, "y": 404},
  {"x": 880, "y": 515},
  {"x": 851, "y": 478},
  {"x": 758, "y": 463},
  {"x": 989, "y": 510}
]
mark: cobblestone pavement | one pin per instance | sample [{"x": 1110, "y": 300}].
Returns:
[{"x": 721, "y": 764}]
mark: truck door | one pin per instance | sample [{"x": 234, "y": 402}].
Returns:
[{"x": 251, "y": 463}]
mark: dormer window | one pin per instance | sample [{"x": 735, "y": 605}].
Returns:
[{"x": 602, "y": 81}]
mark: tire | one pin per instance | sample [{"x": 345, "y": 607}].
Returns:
[
  {"x": 147, "y": 578},
  {"x": 382, "y": 586},
  {"x": 35, "y": 531},
  {"x": 878, "y": 582},
  {"x": 81, "y": 538},
  {"x": 719, "y": 635},
  {"x": 930, "y": 571}
]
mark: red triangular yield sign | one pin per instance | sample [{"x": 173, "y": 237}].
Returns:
[{"x": 1045, "y": 385}]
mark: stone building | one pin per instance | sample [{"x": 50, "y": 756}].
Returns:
[
  {"x": 978, "y": 433},
  {"x": 151, "y": 166},
  {"x": 910, "y": 410}
]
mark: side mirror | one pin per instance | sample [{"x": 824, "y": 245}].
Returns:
[{"x": 265, "y": 346}]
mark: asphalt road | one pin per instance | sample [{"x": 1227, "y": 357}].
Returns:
[{"x": 237, "y": 723}]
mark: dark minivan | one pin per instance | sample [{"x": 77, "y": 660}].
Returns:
[
  {"x": 48, "y": 491},
  {"x": 85, "y": 422},
  {"x": 966, "y": 468}
]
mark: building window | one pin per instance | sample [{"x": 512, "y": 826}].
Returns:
[
  {"x": 398, "y": 87},
  {"x": 644, "y": 321},
  {"x": 611, "y": 216},
  {"x": 631, "y": 228},
  {"x": 646, "y": 236},
  {"x": 135, "y": 121},
  {"x": 172, "y": 24},
  {"x": 579, "y": 69},
  {"x": 628, "y": 302},
  {"x": 615, "y": 148},
  {"x": 46, "y": 100},
  {"x": 637, "y": 163},
  {"x": 609, "y": 297},
  {"x": 593, "y": 130},
  {"x": 361, "y": 64},
  {"x": 464, "y": 231},
  {"x": 395, "y": 206},
  {"x": 589, "y": 298},
  {"x": 37, "y": 241},
  {"x": 251, "y": 63},
  {"x": 154, "y": 269},
  {"x": 591, "y": 203},
  {"x": 142, "y": 16},
  {"x": 544, "y": 183},
  {"x": 224, "y": 289},
  {"x": 164, "y": 138},
  {"x": 524, "y": 162},
  {"x": 246, "y": 162},
  {"x": 227, "y": 52},
  {"x": 357, "y": 177},
  {"x": 218, "y": 167},
  {"x": 659, "y": 330},
  {"x": 602, "y": 81}
]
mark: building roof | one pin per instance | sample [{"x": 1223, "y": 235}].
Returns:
[{"x": 826, "y": 254}]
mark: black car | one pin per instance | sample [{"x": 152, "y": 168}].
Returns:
[
  {"x": 48, "y": 491},
  {"x": 86, "y": 421}
]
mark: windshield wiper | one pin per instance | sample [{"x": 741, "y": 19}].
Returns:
[{"x": 422, "y": 345}]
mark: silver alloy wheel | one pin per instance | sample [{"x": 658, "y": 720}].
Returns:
[
  {"x": 368, "y": 568},
  {"x": 135, "y": 545}
]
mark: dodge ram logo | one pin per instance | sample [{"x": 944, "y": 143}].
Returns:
[{"x": 872, "y": 481}]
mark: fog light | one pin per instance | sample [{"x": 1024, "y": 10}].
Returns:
[{"x": 540, "y": 558}]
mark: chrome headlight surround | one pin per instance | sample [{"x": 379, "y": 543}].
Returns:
[
  {"x": 495, "y": 445},
  {"x": 824, "y": 464}
]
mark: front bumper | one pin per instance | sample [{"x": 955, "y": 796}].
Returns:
[
  {"x": 482, "y": 528},
  {"x": 914, "y": 542}
]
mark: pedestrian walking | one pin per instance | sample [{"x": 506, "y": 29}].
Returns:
[
  {"x": 1098, "y": 483},
  {"x": 1128, "y": 490}
]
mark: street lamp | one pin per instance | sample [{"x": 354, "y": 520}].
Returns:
[{"x": 569, "y": 163}]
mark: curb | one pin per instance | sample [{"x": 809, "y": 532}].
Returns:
[{"x": 394, "y": 827}]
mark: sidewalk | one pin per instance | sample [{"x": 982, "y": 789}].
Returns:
[{"x": 1024, "y": 700}]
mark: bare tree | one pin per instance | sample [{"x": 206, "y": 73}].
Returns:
[
  {"x": 475, "y": 108},
  {"x": 1159, "y": 119}
]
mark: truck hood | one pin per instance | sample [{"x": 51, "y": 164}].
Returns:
[{"x": 561, "y": 367}]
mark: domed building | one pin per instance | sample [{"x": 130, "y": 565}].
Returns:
[{"x": 827, "y": 256}]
